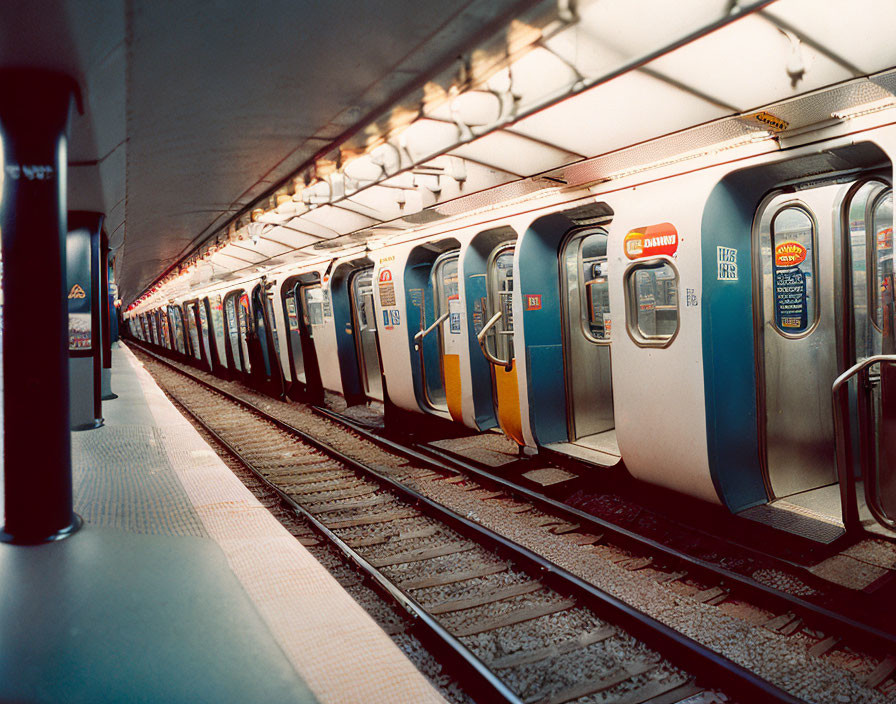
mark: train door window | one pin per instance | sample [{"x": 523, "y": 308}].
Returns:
[
  {"x": 177, "y": 326},
  {"x": 166, "y": 328},
  {"x": 193, "y": 329},
  {"x": 364, "y": 314},
  {"x": 155, "y": 330},
  {"x": 272, "y": 319},
  {"x": 587, "y": 328},
  {"x": 651, "y": 290},
  {"x": 447, "y": 305},
  {"x": 500, "y": 299},
  {"x": 260, "y": 327},
  {"x": 205, "y": 331},
  {"x": 882, "y": 263},
  {"x": 858, "y": 217},
  {"x": 233, "y": 330},
  {"x": 216, "y": 307},
  {"x": 243, "y": 318},
  {"x": 794, "y": 281},
  {"x": 313, "y": 307},
  {"x": 294, "y": 308}
]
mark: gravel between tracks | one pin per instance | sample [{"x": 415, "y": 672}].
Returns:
[{"x": 731, "y": 629}]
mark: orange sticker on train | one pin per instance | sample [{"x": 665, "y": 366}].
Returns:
[
  {"x": 789, "y": 254},
  {"x": 651, "y": 241}
]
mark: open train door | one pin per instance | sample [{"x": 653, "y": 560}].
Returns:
[
  {"x": 496, "y": 340},
  {"x": 880, "y": 455},
  {"x": 364, "y": 326},
  {"x": 303, "y": 312}
]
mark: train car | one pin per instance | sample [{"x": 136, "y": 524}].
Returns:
[
  {"x": 683, "y": 318},
  {"x": 687, "y": 322}
]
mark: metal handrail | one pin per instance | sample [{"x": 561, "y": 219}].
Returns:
[
  {"x": 418, "y": 338},
  {"x": 483, "y": 344},
  {"x": 843, "y": 445},
  {"x": 423, "y": 333}
]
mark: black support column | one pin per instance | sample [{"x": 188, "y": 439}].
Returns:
[{"x": 34, "y": 110}]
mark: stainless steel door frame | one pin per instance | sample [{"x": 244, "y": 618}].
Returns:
[
  {"x": 795, "y": 370},
  {"x": 363, "y": 319},
  {"x": 500, "y": 299},
  {"x": 586, "y": 359}
]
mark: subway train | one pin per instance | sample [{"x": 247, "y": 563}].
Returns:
[{"x": 686, "y": 321}]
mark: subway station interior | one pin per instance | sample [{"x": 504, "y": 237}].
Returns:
[{"x": 472, "y": 352}]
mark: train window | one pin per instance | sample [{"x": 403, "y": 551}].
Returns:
[
  {"x": 232, "y": 331},
  {"x": 651, "y": 290},
  {"x": 313, "y": 305},
  {"x": 166, "y": 333},
  {"x": 193, "y": 330},
  {"x": 500, "y": 292},
  {"x": 206, "y": 333},
  {"x": 793, "y": 256},
  {"x": 882, "y": 261},
  {"x": 586, "y": 278},
  {"x": 177, "y": 323},
  {"x": 217, "y": 322},
  {"x": 243, "y": 318},
  {"x": 273, "y": 321}
]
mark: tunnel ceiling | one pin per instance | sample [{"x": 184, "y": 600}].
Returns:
[{"x": 194, "y": 109}]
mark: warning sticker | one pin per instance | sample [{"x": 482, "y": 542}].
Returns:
[{"x": 387, "y": 289}]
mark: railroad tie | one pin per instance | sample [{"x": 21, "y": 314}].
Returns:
[
  {"x": 441, "y": 580},
  {"x": 490, "y": 598},
  {"x": 377, "y": 500},
  {"x": 593, "y": 685},
  {"x": 709, "y": 595},
  {"x": 373, "y": 519},
  {"x": 527, "y": 657},
  {"x": 527, "y": 613},
  {"x": 823, "y": 646},
  {"x": 421, "y": 554},
  {"x": 884, "y": 669},
  {"x": 658, "y": 692}
]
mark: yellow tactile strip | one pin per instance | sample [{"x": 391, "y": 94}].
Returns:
[{"x": 339, "y": 651}]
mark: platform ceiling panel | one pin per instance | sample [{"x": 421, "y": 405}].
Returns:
[{"x": 227, "y": 98}]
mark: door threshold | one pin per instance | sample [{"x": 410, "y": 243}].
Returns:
[
  {"x": 801, "y": 521},
  {"x": 585, "y": 453}
]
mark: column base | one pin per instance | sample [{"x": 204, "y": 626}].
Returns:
[
  {"x": 93, "y": 425},
  {"x": 60, "y": 534}
]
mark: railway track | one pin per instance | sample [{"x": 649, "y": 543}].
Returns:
[
  {"x": 521, "y": 629},
  {"x": 522, "y": 577}
]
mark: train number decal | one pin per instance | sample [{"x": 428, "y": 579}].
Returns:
[{"x": 651, "y": 241}]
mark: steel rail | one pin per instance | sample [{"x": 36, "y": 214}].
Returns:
[
  {"x": 717, "y": 670},
  {"x": 813, "y": 614},
  {"x": 477, "y": 678}
]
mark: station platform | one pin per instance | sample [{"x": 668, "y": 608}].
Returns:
[{"x": 181, "y": 586}]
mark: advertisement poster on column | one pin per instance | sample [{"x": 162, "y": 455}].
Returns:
[{"x": 78, "y": 249}]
